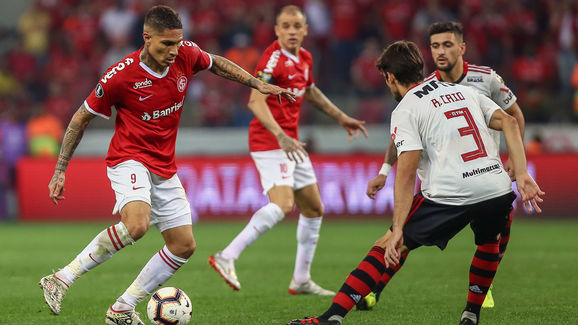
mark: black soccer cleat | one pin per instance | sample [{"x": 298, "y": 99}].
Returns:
[
  {"x": 467, "y": 321},
  {"x": 314, "y": 320}
]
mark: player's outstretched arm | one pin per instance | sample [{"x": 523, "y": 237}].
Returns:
[
  {"x": 322, "y": 103},
  {"x": 228, "y": 69},
  {"x": 376, "y": 184},
  {"x": 515, "y": 111},
  {"x": 527, "y": 187},
  {"x": 293, "y": 148},
  {"x": 72, "y": 137}
]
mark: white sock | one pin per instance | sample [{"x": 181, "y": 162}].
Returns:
[
  {"x": 100, "y": 249},
  {"x": 159, "y": 269},
  {"x": 263, "y": 220},
  {"x": 307, "y": 237}
]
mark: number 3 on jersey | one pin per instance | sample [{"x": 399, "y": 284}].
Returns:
[{"x": 471, "y": 129}]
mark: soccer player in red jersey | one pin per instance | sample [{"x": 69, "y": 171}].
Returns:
[
  {"x": 286, "y": 171},
  {"x": 442, "y": 134},
  {"x": 147, "y": 89},
  {"x": 447, "y": 49}
]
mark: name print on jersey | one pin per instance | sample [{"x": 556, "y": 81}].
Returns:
[
  {"x": 446, "y": 99},
  {"x": 120, "y": 66},
  {"x": 156, "y": 114}
]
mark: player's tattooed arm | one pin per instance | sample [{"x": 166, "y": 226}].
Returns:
[
  {"x": 228, "y": 69},
  {"x": 72, "y": 137},
  {"x": 322, "y": 103}
]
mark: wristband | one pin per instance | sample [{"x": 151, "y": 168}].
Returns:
[{"x": 385, "y": 168}]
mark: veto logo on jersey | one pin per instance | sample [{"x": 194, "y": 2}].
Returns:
[
  {"x": 142, "y": 84},
  {"x": 156, "y": 114},
  {"x": 120, "y": 66},
  {"x": 272, "y": 63}
]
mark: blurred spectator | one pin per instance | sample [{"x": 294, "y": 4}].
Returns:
[
  {"x": 34, "y": 26},
  {"x": 44, "y": 132},
  {"x": 12, "y": 147},
  {"x": 117, "y": 21},
  {"x": 367, "y": 80},
  {"x": 575, "y": 87},
  {"x": 534, "y": 146},
  {"x": 242, "y": 53}
]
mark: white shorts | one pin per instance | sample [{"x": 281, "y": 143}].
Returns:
[
  {"x": 132, "y": 181},
  {"x": 276, "y": 169}
]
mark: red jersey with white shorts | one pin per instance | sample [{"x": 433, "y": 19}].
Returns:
[
  {"x": 148, "y": 107},
  {"x": 279, "y": 67}
]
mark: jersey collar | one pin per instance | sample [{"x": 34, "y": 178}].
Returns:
[{"x": 149, "y": 70}]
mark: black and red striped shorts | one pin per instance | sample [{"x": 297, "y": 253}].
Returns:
[{"x": 431, "y": 223}]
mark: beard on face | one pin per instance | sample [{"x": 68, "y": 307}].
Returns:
[{"x": 447, "y": 68}]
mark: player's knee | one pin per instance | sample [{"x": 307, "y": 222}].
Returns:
[
  {"x": 313, "y": 212},
  {"x": 183, "y": 249},
  {"x": 138, "y": 230},
  {"x": 286, "y": 206}
]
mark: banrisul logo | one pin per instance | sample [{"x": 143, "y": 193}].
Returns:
[{"x": 163, "y": 112}]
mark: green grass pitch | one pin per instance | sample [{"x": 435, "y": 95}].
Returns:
[{"x": 537, "y": 282}]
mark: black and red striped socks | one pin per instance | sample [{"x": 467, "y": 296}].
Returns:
[
  {"x": 358, "y": 284},
  {"x": 482, "y": 272}
]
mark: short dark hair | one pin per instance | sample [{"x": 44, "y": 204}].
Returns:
[
  {"x": 290, "y": 9},
  {"x": 160, "y": 18},
  {"x": 447, "y": 27},
  {"x": 404, "y": 60}
]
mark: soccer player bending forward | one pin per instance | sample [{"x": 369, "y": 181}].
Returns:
[
  {"x": 286, "y": 171},
  {"x": 447, "y": 49},
  {"x": 441, "y": 132},
  {"x": 147, "y": 88}
]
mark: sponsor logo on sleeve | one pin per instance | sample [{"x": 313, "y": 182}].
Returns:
[
  {"x": 98, "y": 91},
  {"x": 475, "y": 79},
  {"x": 119, "y": 67}
]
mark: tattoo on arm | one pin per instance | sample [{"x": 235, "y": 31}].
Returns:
[
  {"x": 322, "y": 103},
  {"x": 228, "y": 69},
  {"x": 72, "y": 137}
]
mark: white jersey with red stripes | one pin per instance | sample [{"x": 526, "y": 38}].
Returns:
[
  {"x": 459, "y": 163},
  {"x": 487, "y": 82}
]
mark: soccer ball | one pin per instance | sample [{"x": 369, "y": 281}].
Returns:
[{"x": 169, "y": 306}]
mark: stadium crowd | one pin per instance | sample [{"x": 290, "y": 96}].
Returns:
[{"x": 53, "y": 57}]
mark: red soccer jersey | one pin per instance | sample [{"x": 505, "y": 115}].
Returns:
[
  {"x": 148, "y": 107},
  {"x": 281, "y": 68}
]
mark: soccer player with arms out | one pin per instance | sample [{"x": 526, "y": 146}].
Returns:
[
  {"x": 447, "y": 49},
  {"x": 286, "y": 171},
  {"x": 147, "y": 89},
  {"x": 441, "y": 132}
]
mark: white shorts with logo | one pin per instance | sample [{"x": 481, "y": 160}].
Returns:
[
  {"x": 132, "y": 181},
  {"x": 276, "y": 169}
]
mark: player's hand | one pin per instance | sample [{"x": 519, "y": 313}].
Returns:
[
  {"x": 375, "y": 185},
  {"x": 269, "y": 89},
  {"x": 530, "y": 192},
  {"x": 393, "y": 248},
  {"x": 294, "y": 149},
  {"x": 510, "y": 169},
  {"x": 352, "y": 126},
  {"x": 56, "y": 187}
]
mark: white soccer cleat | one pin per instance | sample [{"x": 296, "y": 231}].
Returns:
[
  {"x": 226, "y": 269},
  {"x": 124, "y": 317},
  {"x": 308, "y": 288},
  {"x": 54, "y": 292}
]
